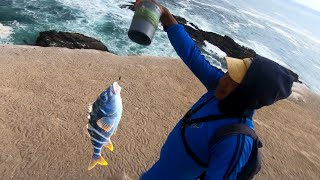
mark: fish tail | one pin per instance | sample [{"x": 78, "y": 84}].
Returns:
[{"x": 94, "y": 162}]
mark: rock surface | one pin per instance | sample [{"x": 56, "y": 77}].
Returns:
[
  {"x": 225, "y": 43},
  {"x": 44, "y": 96},
  {"x": 69, "y": 40}
]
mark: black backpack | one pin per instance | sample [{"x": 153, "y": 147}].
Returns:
[{"x": 253, "y": 165}]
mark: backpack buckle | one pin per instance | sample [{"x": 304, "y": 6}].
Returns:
[
  {"x": 188, "y": 115},
  {"x": 260, "y": 145},
  {"x": 186, "y": 119}
]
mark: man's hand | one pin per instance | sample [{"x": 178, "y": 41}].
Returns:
[{"x": 166, "y": 17}]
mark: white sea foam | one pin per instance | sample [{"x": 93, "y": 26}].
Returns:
[
  {"x": 234, "y": 26},
  {"x": 94, "y": 8},
  {"x": 185, "y": 4},
  {"x": 286, "y": 34},
  {"x": 199, "y": 20},
  {"x": 252, "y": 23},
  {"x": 5, "y": 31},
  {"x": 213, "y": 54},
  {"x": 261, "y": 16},
  {"x": 274, "y": 21},
  {"x": 196, "y": 19},
  {"x": 254, "y": 14},
  {"x": 109, "y": 15},
  {"x": 190, "y": 25},
  {"x": 316, "y": 66},
  {"x": 185, "y": 13},
  {"x": 214, "y": 50},
  {"x": 212, "y": 5},
  {"x": 98, "y": 11},
  {"x": 265, "y": 51}
]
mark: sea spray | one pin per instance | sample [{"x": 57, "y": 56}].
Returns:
[{"x": 5, "y": 31}]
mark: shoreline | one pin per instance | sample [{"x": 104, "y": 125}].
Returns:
[{"x": 44, "y": 95}]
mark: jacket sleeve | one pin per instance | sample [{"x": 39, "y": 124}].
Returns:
[
  {"x": 228, "y": 157},
  {"x": 192, "y": 57}
]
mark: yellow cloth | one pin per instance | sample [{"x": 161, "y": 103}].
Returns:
[{"x": 237, "y": 68}]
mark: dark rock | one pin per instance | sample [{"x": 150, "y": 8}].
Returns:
[
  {"x": 225, "y": 43},
  {"x": 69, "y": 40},
  {"x": 128, "y": 6}
]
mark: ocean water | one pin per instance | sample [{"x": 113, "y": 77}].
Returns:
[{"x": 284, "y": 31}]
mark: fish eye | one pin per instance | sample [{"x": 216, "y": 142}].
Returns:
[{"x": 104, "y": 96}]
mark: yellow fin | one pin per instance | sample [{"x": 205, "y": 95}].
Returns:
[
  {"x": 109, "y": 145},
  {"x": 94, "y": 162}
]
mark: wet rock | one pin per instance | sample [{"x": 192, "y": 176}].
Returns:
[
  {"x": 69, "y": 40},
  {"x": 225, "y": 43}
]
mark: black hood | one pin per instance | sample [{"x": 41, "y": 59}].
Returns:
[{"x": 264, "y": 83}]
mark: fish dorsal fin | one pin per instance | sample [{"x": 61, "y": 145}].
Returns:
[
  {"x": 89, "y": 111},
  {"x": 106, "y": 123}
]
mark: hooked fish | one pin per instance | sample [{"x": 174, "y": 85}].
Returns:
[{"x": 104, "y": 116}]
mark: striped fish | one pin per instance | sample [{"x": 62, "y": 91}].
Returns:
[{"x": 104, "y": 116}]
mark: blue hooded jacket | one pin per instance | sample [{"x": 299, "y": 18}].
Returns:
[{"x": 227, "y": 157}]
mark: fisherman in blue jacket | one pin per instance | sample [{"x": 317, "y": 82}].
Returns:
[{"x": 249, "y": 84}]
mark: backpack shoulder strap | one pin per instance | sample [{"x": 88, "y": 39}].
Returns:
[
  {"x": 187, "y": 122},
  {"x": 232, "y": 129},
  {"x": 253, "y": 165}
]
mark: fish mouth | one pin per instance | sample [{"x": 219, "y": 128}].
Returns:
[{"x": 116, "y": 88}]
